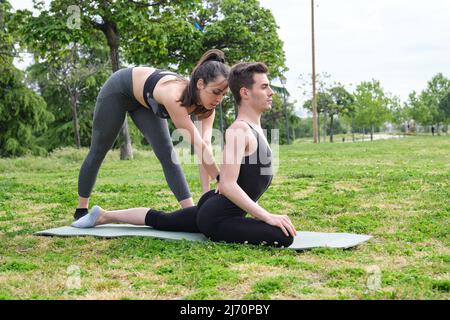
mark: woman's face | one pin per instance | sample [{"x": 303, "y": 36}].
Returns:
[{"x": 212, "y": 93}]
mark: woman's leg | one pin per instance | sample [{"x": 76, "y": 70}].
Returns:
[
  {"x": 109, "y": 116},
  {"x": 113, "y": 100},
  {"x": 156, "y": 132}
]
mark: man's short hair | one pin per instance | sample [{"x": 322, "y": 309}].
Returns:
[{"x": 241, "y": 75}]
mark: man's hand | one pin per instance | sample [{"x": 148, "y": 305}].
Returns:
[{"x": 283, "y": 222}]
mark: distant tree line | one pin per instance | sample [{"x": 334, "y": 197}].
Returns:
[{"x": 369, "y": 108}]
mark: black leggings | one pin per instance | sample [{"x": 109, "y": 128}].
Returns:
[
  {"x": 115, "y": 99},
  {"x": 220, "y": 220}
]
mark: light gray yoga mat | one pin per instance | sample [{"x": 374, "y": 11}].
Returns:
[{"x": 303, "y": 240}]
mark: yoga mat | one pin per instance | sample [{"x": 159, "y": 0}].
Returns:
[{"x": 303, "y": 240}]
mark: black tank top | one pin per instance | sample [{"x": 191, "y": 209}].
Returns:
[
  {"x": 149, "y": 86},
  {"x": 256, "y": 172}
]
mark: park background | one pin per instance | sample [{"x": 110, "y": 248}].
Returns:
[{"x": 394, "y": 189}]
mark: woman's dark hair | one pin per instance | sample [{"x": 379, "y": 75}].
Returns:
[{"x": 209, "y": 67}]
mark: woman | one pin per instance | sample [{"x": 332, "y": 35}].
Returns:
[
  {"x": 246, "y": 173},
  {"x": 150, "y": 96}
]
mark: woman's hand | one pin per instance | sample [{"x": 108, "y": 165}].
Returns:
[{"x": 283, "y": 222}]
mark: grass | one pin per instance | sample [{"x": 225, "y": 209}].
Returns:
[{"x": 396, "y": 190}]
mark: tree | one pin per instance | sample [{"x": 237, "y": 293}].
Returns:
[
  {"x": 121, "y": 22},
  {"x": 371, "y": 105},
  {"x": 400, "y": 113},
  {"x": 7, "y": 49},
  {"x": 417, "y": 110},
  {"x": 437, "y": 89},
  {"x": 72, "y": 72},
  {"x": 324, "y": 100},
  {"x": 245, "y": 31},
  {"x": 170, "y": 34},
  {"x": 22, "y": 112},
  {"x": 342, "y": 103},
  {"x": 444, "y": 107}
]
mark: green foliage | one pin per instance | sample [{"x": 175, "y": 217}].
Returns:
[
  {"x": 431, "y": 106},
  {"x": 61, "y": 132},
  {"x": 23, "y": 114},
  {"x": 437, "y": 89},
  {"x": 444, "y": 107},
  {"x": 6, "y": 37},
  {"x": 275, "y": 118},
  {"x": 417, "y": 110},
  {"x": 161, "y": 34},
  {"x": 246, "y": 32},
  {"x": 371, "y": 105}
]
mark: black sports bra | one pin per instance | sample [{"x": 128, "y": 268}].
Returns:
[{"x": 149, "y": 86}]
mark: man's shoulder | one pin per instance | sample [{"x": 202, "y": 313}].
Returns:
[{"x": 239, "y": 125}]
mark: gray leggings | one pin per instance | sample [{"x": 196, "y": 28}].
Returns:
[{"x": 115, "y": 99}]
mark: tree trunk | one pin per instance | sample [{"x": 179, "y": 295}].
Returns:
[
  {"x": 353, "y": 129},
  {"x": 76, "y": 128},
  {"x": 221, "y": 125},
  {"x": 331, "y": 128},
  {"x": 325, "y": 126},
  {"x": 112, "y": 37},
  {"x": 371, "y": 133},
  {"x": 318, "y": 127}
]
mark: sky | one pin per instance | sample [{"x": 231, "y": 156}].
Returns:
[{"x": 401, "y": 43}]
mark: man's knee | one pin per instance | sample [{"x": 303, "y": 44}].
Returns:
[{"x": 283, "y": 241}]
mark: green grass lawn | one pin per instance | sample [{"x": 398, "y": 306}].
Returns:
[{"x": 397, "y": 190}]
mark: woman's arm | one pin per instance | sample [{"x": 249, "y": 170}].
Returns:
[
  {"x": 205, "y": 128},
  {"x": 183, "y": 122},
  {"x": 237, "y": 142}
]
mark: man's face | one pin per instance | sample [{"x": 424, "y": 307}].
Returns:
[{"x": 261, "y": 94}]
